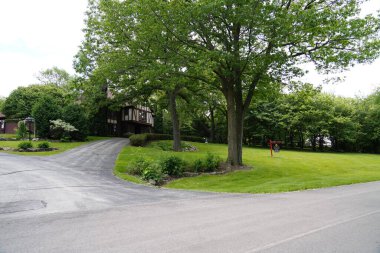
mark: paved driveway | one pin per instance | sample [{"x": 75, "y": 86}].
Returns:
[{"x": 72, "y": 203}]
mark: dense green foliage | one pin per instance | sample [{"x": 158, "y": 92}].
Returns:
[
  {"x": 19, "y": 104},
  {"x": 54, "y": 76},
  {"x": 75, "y": 115},
  {"x": 22, "y": 130},
  {"x": 2, "y": 101},
  {"x": 166, "y": 166},
  {"x": 308, "y": 118},
  {"x": 172, "y": 166},
  {"x": 153, "y": 172},
  {"x": 287, "y": 171},
  {"x": 43, "y": 145},
  {"x": 25, "y": 145},
  {"x": 56, "y": 97},
  {"x": 45, "y": 110}
]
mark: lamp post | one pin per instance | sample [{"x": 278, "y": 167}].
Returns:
[{"x": 29, "y": 121}]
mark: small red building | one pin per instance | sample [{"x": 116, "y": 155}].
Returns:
[
  {"x": 2, "y": 123},
  {"x": 9, "y": 126}
]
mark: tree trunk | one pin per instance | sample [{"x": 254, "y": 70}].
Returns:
[
  {"x": 321, "y": 142},
  {"x": 175, "y": 121},
  {"x": 302, "y": 141},
  {"x": 291, "y": 138},
  {"x": 235, "y": 129},
  {"x": 314, "y": 142}
]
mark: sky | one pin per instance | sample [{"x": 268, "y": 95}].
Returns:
[{"x": 39, "y": 34}]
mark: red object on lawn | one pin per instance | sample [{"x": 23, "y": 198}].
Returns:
[{"x": 271, "y": 146}]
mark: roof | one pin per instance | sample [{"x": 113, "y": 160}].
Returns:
[{"x": 2, "y": 115}]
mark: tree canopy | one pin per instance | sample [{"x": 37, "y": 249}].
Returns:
[
  {"x": 235, "y": 47},
  {"x": 54, "y": 75},
  {"x": 19, "y": 103}
]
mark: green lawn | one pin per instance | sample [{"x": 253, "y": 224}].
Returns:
[
  {"x": 62, "y": 146},
  {"x": 8, "y": 136},
  {"x": 287, "y": 171}
]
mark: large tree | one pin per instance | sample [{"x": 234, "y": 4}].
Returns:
[
  {"x": 234, "y": 46},
  {"x": 54, "y": 75},
  {"x": 133, "y": 71},
  {"x": 19, "y": 103}
]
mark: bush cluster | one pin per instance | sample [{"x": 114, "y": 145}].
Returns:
[
  {"x": 153, "y": 172},
  {"x": 171, "y": 166},
  {"x": 22, "y": 130},
  {"x": 44, "y": 145},
  {"x": 138, "y": 166},
  {"x": 140, "y": 140},
  {"x": 210, "y": 164},
  {"x": 25, "y": 145}
]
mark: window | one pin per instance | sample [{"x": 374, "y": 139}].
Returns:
[{"x": 142, "y": 116}]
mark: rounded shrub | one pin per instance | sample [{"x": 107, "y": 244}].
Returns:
[
  {"x": 138, "y": 140},
  {"x": 25, "y": 145},
  {"x": 153, "y": 172},
  {"x": 173, "y": 166},
  {"x": 198, "y": 165},
  {"x": 44, "y": 145},
  {"x": 211, "y": 163},
  {"x": 137, "y": 167}
]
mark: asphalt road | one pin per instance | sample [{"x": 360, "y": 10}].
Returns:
[{"x": 72, "y": 203}]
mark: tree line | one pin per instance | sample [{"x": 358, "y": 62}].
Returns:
[{"x": 216, "y": 67}]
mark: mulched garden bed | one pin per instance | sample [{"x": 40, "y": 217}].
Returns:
[
  {"x": 224, "y": 168},
  {"x": 28, "y": 150}
]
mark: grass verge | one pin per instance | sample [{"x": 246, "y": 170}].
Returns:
[
  {"x": 287, "y": 171},
  {"x": 62, "y": 146}
]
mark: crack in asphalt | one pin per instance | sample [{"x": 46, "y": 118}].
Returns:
[{"x": 22, "y": 171}]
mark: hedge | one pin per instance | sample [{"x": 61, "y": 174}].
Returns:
[{"x": 140, "y": 140}]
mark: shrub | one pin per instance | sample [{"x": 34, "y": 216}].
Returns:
[
  {"x": 60, "y": 130},
  {"x": 153, "y": 172},
  {"x": 25, "y": 145},
  {"x": 45, "y": 110},
  {"x": 138, "y": 140},
  {"x": 137, "y": 167},
  {"x": 74, "y": 115},
  {"x": 44, "y": 144},
  {"x": 211, "y": 163},
  {"x": 173, "y": 166},
  {"x": 198, "y": 165},
  {"x": 22, "y": 130}
]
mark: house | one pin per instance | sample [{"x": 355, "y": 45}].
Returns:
[
  {"x": 7, "y": 126},
  {"x": 130, "y": 120}
]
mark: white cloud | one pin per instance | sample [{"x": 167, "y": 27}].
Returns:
[{"x": 36, "y": 35}]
